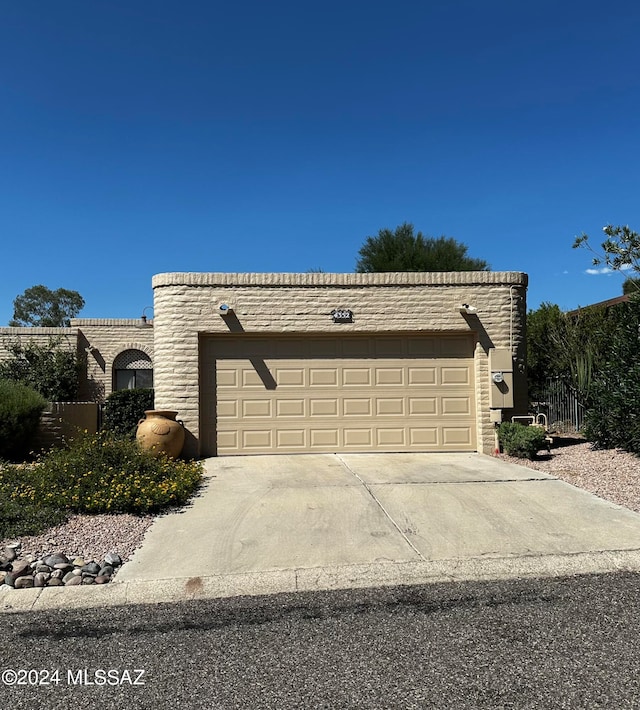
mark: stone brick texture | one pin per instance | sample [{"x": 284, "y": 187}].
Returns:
[{"x": 186, "y": 308}]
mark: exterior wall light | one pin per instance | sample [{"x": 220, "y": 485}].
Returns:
[
  {"x": 142, "y": 323},
  {"x": 466, "y": 308}
]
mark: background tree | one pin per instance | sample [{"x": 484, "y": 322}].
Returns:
[
  {"x": 40, "y": 306},
  {"x": 571, "y": 347},
  {"x": 545, "y": 358},
  {"x": 631, "y": 285},
  {"x": 402, "y": 250}
]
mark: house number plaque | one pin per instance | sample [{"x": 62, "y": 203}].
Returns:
[{"x": 342, "y": 315}]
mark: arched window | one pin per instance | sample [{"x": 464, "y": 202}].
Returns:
[{"x": 132, "y": 369}]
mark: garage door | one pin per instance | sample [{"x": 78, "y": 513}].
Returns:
[{"x": 288, "y": 394}]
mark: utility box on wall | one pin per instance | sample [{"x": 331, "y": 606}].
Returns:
[{"x": 501, "y": 373}]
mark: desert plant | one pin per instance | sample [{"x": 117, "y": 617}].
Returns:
[
  {"x": 124, "y": 409},
  {"x": 20, "y": 410},
  {"x": 521, "y": 441},
  {"x": 569, "y": 347}
]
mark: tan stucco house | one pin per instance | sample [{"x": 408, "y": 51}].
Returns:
[{"x": 258, "y": 363}]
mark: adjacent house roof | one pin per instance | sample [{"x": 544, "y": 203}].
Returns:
[{"x": 601, "y": 304}]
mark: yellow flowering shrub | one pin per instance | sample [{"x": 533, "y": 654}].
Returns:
[{"x": 101, "y": 473}]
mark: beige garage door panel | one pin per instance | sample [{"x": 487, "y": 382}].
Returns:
[{"x": 412, "y": 398}]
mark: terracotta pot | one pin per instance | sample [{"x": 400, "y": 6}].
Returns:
[{"x": 159, "y": 432}]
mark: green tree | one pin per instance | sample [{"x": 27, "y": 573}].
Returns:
[
  {"x": 545, "y": 358},
  {"x": 404, "y": 250},
  {"x": 630, "y": 286},
  {"x": 51, "y": 369},
  {"x": 40, "y": 306}
]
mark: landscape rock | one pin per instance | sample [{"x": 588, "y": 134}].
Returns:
[
  {"x": 9, "y": 554},
  {"x": 54, "y": 570},
  {"x": 40, "y": 579},
  {"x": 56, "y": 559},
  {"x": 91, "y": 568},
  {"x": 64, "y": 566},
  {"x": 21, "y": 568},
  {"x": 113, "y": 559}
]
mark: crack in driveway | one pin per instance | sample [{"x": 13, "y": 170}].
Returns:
[{"x": 382, "y": 508}]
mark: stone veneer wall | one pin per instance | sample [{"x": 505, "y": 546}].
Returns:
[
  {"x": 107, "y": 338},
  {"x": 68, "y": 336},
  {"x": 186, "y": 307}
]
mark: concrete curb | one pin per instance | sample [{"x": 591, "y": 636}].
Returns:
[{"x": 382, "y": 574}]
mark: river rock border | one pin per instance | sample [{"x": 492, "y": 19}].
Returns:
[{"x": 54, "y": 570}]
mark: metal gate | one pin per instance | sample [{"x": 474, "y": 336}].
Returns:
[{"x": 560, "y": 402}]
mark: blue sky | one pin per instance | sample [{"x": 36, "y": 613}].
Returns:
[{"x": 141, "y": 137}]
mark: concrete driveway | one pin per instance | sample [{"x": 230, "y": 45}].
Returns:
[
  {"x": 279, "y": 523},
  {"x": 267, "y": 524}
]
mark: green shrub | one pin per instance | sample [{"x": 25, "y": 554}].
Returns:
[
  {"x": 103, "y": 473},
  {"x": 124, "y": 409},
  {"x": 53, "y": 369},
  {"x": 20, "y": 410},
  {"x": 613, "y": 416},
  {"x": 19, "y": 518},
  {"x": 521, "y": 441}
]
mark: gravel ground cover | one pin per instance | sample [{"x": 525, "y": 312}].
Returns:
[
  {"x": 88, "y": 536},
  {"x": 610, "y": 474}
]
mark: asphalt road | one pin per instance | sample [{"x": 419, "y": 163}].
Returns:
[{"x": 554, "y": 643}]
